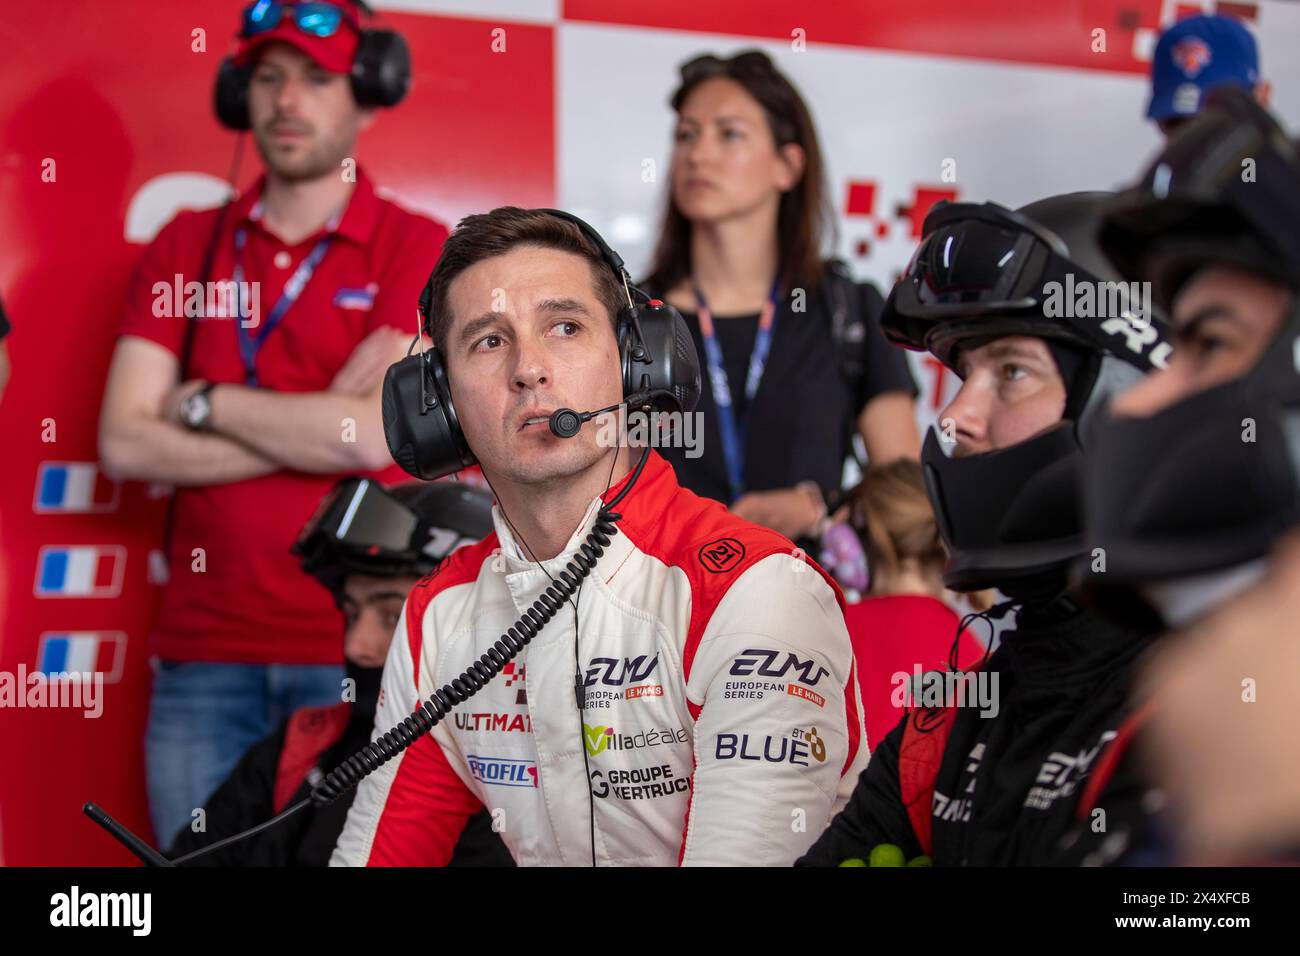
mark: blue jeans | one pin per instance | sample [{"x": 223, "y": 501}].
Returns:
[{"x": 204, "y": 716}]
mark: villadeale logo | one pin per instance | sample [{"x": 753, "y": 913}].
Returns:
[{"x": 601, "y": 739}]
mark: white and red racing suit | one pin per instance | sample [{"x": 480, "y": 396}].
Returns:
[{"x": 721, "y": 722}]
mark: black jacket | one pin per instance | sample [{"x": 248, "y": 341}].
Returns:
[
  {"x": 307, "y": 838},
  {"x": 1008, "y": 785}
]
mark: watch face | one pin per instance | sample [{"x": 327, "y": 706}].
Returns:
[{"x": 195, "y": 410}]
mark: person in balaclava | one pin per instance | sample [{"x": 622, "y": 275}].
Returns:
[
  {"x": 1196, "y": 477},
  {"x": 1022, "y": 306},
  {"x": 368, "y": 546}
]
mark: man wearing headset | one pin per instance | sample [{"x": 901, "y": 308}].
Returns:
[
  {"x": 690, "y": 699},
  {"x": 367, "y": 546},
  {"x": 253, "y": 407}
]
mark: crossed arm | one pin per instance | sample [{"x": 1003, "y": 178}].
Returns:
[{"x": 253, "y": 431}]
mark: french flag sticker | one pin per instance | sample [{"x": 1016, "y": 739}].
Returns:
[
  {"x": 80, "y": 570},
  {"x": 82, "y": 652},
  {"x": 74, "y": 487}
]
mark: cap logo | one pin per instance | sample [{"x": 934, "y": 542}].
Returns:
[{"x": 1191, "y": 55}]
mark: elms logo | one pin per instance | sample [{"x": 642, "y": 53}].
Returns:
[
  {"x": 762, "y": 662},
  {"x": 616, "y": 671},
  {"x": 759, "y": 662}
]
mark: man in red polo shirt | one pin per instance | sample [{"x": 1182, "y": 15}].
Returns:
[{"x": 279, "y": 396}]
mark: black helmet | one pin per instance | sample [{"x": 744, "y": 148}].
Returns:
[
  {"x": 982, "y": 271},
  {"x": 1223, "y": 191},
  {"x": 1210, "y": 482},
  {"x": 362, "y": 527}
]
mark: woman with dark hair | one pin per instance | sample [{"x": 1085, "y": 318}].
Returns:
[{"x": 794, "y": 357}]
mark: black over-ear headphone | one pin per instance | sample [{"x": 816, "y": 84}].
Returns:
[
  {"x": 661, "y": 372},
  {"x": 381, "y": 75}
]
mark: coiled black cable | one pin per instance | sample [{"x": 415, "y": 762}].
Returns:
[
  {"x": 471, "y": 680},
  {"x": 430, "y": 712}
]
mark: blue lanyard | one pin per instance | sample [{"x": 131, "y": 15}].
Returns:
[
  {"x": 732, "y": 437},
  {"x": 249, "y": 345}
]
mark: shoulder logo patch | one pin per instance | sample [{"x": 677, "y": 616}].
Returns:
[
  {"x": 427, "y": 581},
  {"x": 721, "y": 555}
]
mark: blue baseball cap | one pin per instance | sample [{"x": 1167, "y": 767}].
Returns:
[{"x": 1194, "y": 56}]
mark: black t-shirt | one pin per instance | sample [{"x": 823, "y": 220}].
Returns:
[{"x": 802, "y": 421}]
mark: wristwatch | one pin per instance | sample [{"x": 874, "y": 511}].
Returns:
[{"x": 196, "y": 410}]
